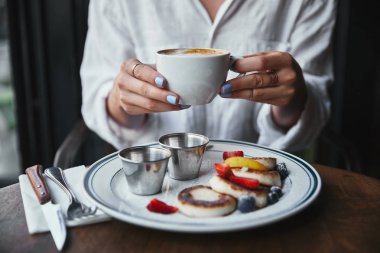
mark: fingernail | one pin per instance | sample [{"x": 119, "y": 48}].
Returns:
[
  {"x": 226, "y": 95},
  {"x": 226, "y": 88},
  {"x": 185, "y": 106},
  {"x": 171, "y": 99},
  {"x": 233, "y": 60},
  {"x": 159, "y": 81}
]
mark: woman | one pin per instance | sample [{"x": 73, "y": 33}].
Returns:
[{"x": 286, "y": 44}]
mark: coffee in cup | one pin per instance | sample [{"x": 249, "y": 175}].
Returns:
[{"x": 195, "y": 74}]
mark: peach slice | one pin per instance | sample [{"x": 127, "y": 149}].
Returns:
[{"x": 249, "y": 163}]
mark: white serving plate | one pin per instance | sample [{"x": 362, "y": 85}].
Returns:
[{"x": 106, "y": 187}]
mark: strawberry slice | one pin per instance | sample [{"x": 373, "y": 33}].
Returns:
[
  {"x": 249, "y": 183},
  {"x": 223, "y": 170},
  {"x": 228, "y": 154},
  {"x": 158, "y": 206}
]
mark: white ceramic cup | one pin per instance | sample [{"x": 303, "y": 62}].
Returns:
[{"x": 195, "y": 74}]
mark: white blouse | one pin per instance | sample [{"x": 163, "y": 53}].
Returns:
[{"x": 122, "y": 29}]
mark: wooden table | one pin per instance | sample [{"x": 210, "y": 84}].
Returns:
[{"x": 344, "y": 218}]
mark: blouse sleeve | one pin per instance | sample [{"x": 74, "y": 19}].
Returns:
[
  {"x": 108, "y": 44},
  {"x": 311, "y": 46}
]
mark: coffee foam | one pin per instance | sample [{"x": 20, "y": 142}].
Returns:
[{"x": 193, "y": 51}]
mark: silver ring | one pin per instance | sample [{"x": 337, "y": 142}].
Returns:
[{"x": 133, "y": 69}]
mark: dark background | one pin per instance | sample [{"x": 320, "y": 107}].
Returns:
[{"x": 47, "y": 39}]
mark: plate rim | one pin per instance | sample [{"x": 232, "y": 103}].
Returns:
[{"x": 298, "y": 207}]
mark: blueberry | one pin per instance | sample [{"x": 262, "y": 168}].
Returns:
[
  {"x": 272, "y": 198},
  {"x": 276, "y": 190},
  {"x": 246, "y": 204},
  {"x": 282, "y": 170}
]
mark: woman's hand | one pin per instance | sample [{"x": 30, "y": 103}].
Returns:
[
  {"x": 138, "y": 90},
  {"x": 277, "y": 80}
]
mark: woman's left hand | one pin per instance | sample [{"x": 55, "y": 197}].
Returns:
[{"x": 278, "y": 80}]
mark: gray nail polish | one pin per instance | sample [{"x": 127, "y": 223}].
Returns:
[
  {"x": 159, "y": 81},
  {"x": 171, "y": 99},
  {"x": 185, "y": 106}
]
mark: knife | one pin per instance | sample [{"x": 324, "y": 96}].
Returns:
[{"x": 52, "y": 212}]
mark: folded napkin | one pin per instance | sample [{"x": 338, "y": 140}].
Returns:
[{"x": 34, "y": 217}]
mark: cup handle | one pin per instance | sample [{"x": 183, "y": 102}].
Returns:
[{"x": 233, "y": 59}]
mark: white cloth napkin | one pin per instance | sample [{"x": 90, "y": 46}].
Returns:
[{"x": 34, "y": 217}]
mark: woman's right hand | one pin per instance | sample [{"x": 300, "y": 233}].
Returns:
[{"x": 138, "y": 90}]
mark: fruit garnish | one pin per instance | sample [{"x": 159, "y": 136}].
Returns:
[
  {"x": 277, "y": 190},
  {"x": 272, "y": 198},
  {"x": 158, "y": 206},
  {"x": 228, "y": 154},
  {"x": 223, "y": 170},
  {"x": 282, "y": 170},
  {"x": 246, "y": 204},
  {"x": 244, "y": 162},
  {"x": 245, "y": 182}
]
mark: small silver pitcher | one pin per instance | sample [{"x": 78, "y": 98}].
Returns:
[
  {"x": 187, "y": 151},
  {"x": 144, "y": 168}
]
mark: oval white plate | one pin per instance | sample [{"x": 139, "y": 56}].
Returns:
[{"x": 107, "y": 188}]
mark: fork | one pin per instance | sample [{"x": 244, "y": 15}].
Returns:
[{"x": 76, "y": 209}]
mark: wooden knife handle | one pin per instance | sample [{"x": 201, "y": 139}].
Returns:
[{"x": 38, "y": 182}]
